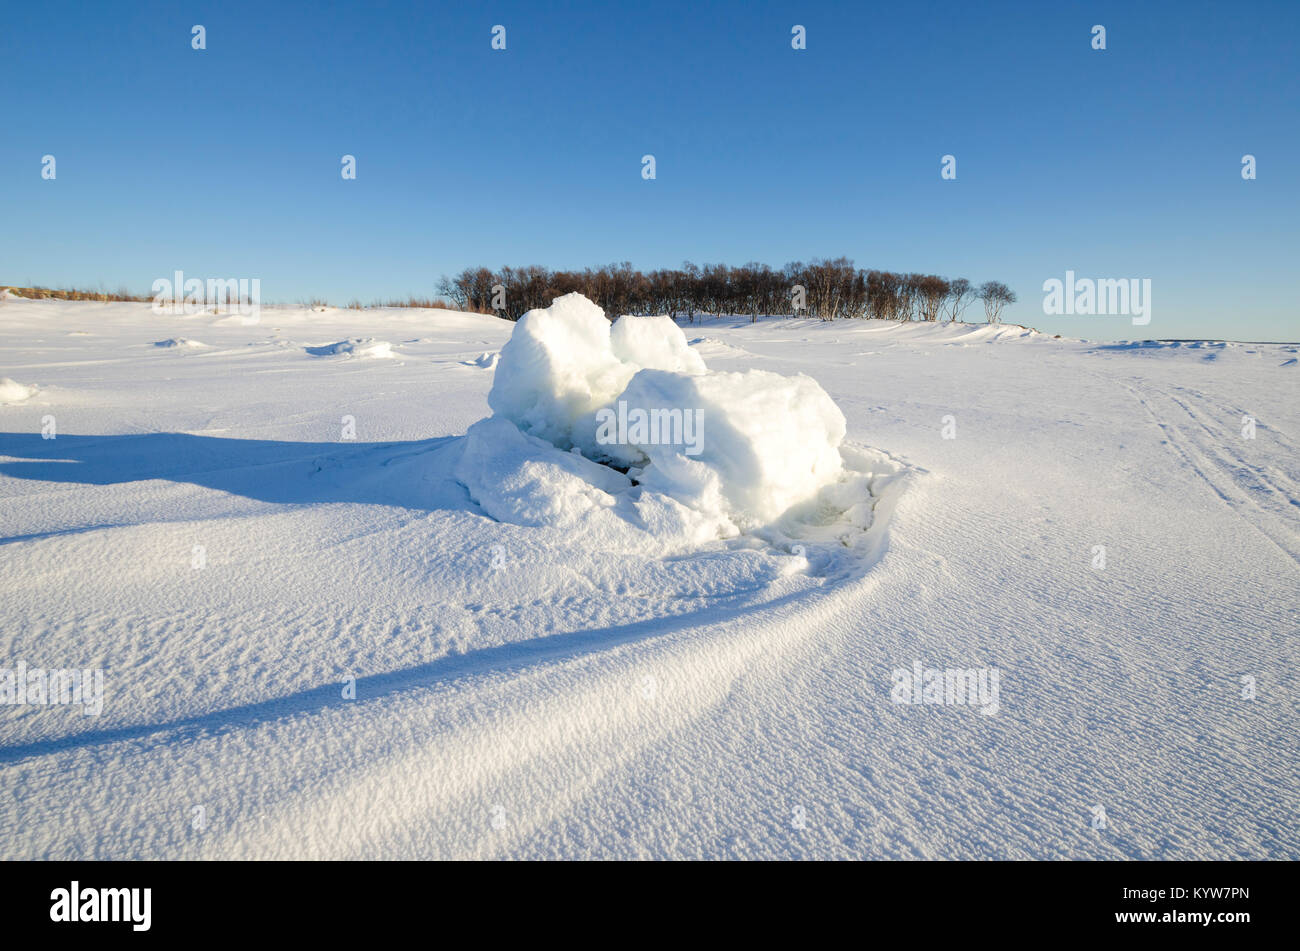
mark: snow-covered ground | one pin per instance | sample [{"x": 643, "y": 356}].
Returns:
[{"x": 244, "y": 526}]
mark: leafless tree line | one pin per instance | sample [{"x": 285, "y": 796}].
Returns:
[{"x": 826, "y": 289}]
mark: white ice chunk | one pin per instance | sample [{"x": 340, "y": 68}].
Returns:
[{"x": 654, "y": 343}]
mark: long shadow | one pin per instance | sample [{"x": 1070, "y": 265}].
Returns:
[
  {"x": 297, "y": 473},
  {"x": 503, "y": 658},
  {"x": 291, "y": 473}
]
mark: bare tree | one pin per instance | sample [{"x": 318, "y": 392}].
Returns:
[
  {"x": 931, "y": 292},
  {"x": 960, "y": 295},
  {"x": 833, "y": 288},
  {"x": 995, "y": 296},
  {"x": 907, "y": 294},
  {"x": 882, "y": 295}
]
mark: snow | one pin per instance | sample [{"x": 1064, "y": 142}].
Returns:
[
  {"x": 11, "y": 391},
  {"x": 550, "y": 658},
  {"x": 357, "y": 347},
  {"x": 740, "y": 448},
  {"x": 558, "y": 367},
  {"x": 172, "y": 342},
  {"x": 654, "y": 343},
  {"x": 519, "y": 478},
  {"x": 764, "y": 442}
]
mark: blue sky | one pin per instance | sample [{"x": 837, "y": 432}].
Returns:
[{"x": 1123, "y": 163}]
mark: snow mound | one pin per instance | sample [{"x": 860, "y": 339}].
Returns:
[
  {"x": 558, "y": 367},
  {"x": 713, "y": 347},
  {"x": 357, "y": 347},
  {"x": 736, "y": 449},
  {"x": 760, "y": 442},
  {"x": 654, "y": 343},
  {"x": 486, "y": 360},
  {"x": 178, "y": 342},
  {"x": 11, "y": 391},
  {"x": 524, "y": 480}
]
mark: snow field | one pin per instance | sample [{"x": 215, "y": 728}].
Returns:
[{"x": 551, "y": 657}]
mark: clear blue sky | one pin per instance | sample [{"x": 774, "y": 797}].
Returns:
[{"x": 225, "y": 162}]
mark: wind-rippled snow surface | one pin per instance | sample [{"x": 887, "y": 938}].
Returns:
[{"x": 246, "y": 533}]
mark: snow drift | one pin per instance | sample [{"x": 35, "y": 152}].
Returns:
[
  {"x": 557, "y": 367},
  {"x": 634, "y": 405},
  {"x": 11, "y": 391},
  {"x": 358, "y": 347},
  {"x": 173, "y": 342}
]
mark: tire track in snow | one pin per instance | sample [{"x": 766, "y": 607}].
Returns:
[{"x": 1219, "y": 470}]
